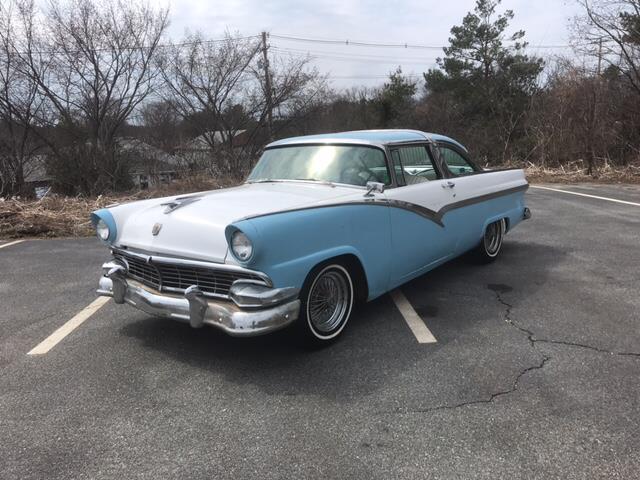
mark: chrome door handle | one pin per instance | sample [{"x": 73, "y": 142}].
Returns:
[{"x": 448, "y": 184}]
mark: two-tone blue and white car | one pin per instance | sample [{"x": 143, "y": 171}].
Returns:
[{"x": 322, "y": 222}]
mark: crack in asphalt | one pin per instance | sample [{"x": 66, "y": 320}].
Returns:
[
  {"x": 514, "y": 386},
  {"x": 532, "y": 342},
  {"x": 491, "y": 398}
]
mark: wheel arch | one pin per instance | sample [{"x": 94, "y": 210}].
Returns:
[{"x": 355, "y": 268}]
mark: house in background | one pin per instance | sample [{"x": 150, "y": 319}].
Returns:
[
  {"x": 148, "y": 166},
  {"x": 37, "y": 181},
  {"x": 208, "y": 141}
]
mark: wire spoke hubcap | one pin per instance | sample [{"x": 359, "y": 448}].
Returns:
[
  {"x": 493, "y": 237},
  {"x": 329, "y": 301}
]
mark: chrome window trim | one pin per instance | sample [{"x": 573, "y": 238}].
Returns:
[
  {"x": 313, "y": 182},
  {"x": 435, "y": 163}
]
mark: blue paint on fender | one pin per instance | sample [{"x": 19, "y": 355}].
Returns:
[
  {"x": 392, "y": 244},
  {"x": 288, "y": 245},
  {"x": 105, "y": 215}
]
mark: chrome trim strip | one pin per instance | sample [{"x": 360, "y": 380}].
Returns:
[
  {"x": 481, "y": 198},
  {"x": 417, "y": 209},
  {"x": 427, "y": 213}
]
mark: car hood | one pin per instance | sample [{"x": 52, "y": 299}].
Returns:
[{"x": 193, "y": 226}]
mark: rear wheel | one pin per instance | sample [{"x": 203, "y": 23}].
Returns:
[
  {"x": 489, "y": 248},
  {"x": 327, "y": 301}
]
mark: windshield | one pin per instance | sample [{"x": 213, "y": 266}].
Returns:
[{"x": 352, "y": 165}]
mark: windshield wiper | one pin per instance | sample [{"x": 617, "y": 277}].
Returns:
[
  {"x": 263, "y": 180},
  {"x": 324, "y": 182}
]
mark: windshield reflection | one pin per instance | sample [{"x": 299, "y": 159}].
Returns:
[{"x": 347, "y": 164}]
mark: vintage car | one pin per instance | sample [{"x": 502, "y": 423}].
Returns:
[{"x": 322, "y": 222}]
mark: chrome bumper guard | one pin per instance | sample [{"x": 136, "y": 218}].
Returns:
[{"x": 254, "y": 309}]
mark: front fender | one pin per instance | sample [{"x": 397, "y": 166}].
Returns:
[{"x": 288, "y": 245}]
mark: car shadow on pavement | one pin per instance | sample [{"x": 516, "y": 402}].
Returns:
[
  {"x": 377, "y": 348},
  {"x": 277, "y": 363}
]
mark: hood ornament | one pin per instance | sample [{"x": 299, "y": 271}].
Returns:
[
  {"x": 156, "y": 229},
  {"x": 178, "y": 202}
]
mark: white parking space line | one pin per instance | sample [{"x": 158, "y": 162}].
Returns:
[
  {"x": 587, "y": 195},
  {"x": 57, "y": 336},
  {"x": 416, "y": 324},
  {"x": 4, "y": 245}
]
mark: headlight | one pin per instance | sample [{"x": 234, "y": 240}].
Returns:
[
  {"x": 102, "y": 230},
  {"x": 241, "y": 246}
]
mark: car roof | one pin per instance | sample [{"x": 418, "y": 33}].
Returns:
[{"x": 368, "y": 137}]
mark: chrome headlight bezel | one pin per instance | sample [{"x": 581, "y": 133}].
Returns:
[{"x": 241, "y": 246}]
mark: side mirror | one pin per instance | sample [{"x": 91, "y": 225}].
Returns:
[{"x": 374, "y": 187}]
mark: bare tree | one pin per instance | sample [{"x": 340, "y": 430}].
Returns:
[
  {"x": 611, "y": 29},
  {"x": 219, "y": 89},
  {"x": 92, "y": 62},
  {"x": 204, "y": 80},
  {"x": 20, "y": 103},
  {"x": 161, "y": 125},
  {"x": 297, "y": 90}
]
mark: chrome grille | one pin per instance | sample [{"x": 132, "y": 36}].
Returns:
[
  {"x": 177, "y": 277},
  {"x": 140, "y": 270}
]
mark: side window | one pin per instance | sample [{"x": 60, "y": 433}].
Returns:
[
  {"x": 415, "y": 164},
  {"x": 456, "y": 163},
  {"x": 375, "y": 164}
]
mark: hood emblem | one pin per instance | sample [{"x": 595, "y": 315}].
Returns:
[{"x": 156, "y": 229}]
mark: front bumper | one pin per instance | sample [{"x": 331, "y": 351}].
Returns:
[{"x": 253, "y": 310}]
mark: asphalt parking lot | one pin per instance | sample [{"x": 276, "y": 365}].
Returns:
[{"x": 535, "y": 373}]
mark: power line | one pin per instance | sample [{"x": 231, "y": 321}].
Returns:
[
  {"x": 359, "y": 43},
  {"x": 350, "y": 55},
  {"x": 355, "y": 58},
  {"x": 141, "y": 47},
  {"x": 353, "y": 42}
]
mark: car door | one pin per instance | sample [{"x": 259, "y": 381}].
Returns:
[
  {"x": 464, "y": 217},
  {"x": 420, "y": 240}
]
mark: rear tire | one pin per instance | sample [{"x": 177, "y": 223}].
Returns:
[
  {"x": 326, "y": 303},
  {"x": 491, "y": 244}
]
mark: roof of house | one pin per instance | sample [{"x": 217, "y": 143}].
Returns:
[
  {"x": 145, "y": 157},
  {"x": 368, "y": 137},
  {"x": 204, "y": 141},
  {"x": 35, "y": 170}
]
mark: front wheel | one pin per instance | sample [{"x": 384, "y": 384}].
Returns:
[
  {"x": 327, "y": 301},
  {"x": 491, "y": 243}
]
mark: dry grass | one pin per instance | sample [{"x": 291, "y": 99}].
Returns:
[
  {"x": 57, "y": 216},
  {"x": 577, "y": 173}
]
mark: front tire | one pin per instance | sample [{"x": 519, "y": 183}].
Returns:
[
  {"x": 327, "y": 301},
  {"x": 490, "y": 245}
]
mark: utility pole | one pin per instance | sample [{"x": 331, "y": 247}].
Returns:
[
  {"x": 599, "y": 55},
  {"x": 267, "y": 86}
]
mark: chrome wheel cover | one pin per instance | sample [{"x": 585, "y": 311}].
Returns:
[
  {"x": 493, "y": 237},
  {"x": 329, "y": 301}
]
